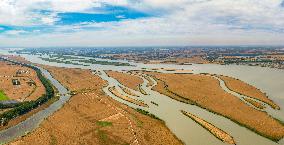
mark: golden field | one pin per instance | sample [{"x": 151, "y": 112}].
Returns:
[{"x": 91, "y": 117}]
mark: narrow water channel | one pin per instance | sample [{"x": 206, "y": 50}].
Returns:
[{"x": 186, "y": 129}]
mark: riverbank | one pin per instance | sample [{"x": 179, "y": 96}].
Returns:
[
  {"x": 205, "y": 92},
  {"x": 115, "y": 92},
  {"x": 128, "y": 91},
  {"x": 20, "y": 111},
  {"x": 130, "y": 81},
  {"x": 247, "y": 90},
  {"x": 79, "y": 121}
]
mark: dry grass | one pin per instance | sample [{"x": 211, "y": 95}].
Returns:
[
  {"x": 128, "y": 91},
  {"x": 77, "y": 121},
  {"x": 115, "y": 92},
  {"x": 130, "y": 81},
  {"x": 23, "y": 91},
  {"x": 205, "y": 92},
  {"x": 254, "y": 103},
  {"x": 247, "y": 90}
]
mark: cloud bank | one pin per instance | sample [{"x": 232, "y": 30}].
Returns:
[{"x": 43, "y": 23}]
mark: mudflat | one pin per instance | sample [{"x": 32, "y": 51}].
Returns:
[
  {"x": 91, "y": 117},
  {"x": 205, "y": 91}
]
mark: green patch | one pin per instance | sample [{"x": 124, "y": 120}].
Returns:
[
  {"x": 138, "y": 122},
  {"x": 53, "y": 140},
  {"x": 104, "y": 123},
  {"x": 102, "y": 135},
  {"x": 148, "y": 114},
  {"x": 142, "y": 90},
  {"x": 3, "y": 96}
]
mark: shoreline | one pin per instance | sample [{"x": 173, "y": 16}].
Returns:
[
  {"x": 115, "y": 92},
  {"x": 192, "y": 102}
]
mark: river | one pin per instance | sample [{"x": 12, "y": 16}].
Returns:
[{"x": 270, "y": 81}]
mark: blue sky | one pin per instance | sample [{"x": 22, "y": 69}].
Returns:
[{"x": 43, "y": 23}]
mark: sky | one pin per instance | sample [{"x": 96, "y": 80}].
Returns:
[{"x": 94, "y": 23}]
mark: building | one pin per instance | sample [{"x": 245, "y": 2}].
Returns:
[{"x": 16, "y": 82}]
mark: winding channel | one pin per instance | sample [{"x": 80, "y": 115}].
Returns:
[
  {"x": 186, "y": 129},
  {"x": 167, "y": 109},
  {"x": 267, "y": 108}
]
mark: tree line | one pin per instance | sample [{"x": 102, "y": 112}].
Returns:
[{"x": 24, "y": 107}]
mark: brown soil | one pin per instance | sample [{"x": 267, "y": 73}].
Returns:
[
  {"x": 130, "y": 81},
  {"x": 24, "y": 91},
  {"x": 220, "y": 134},
  {"x": 247, "y": 90},
  {"x": 206, "y": 92},
  {"x": 78, "y": 122}
]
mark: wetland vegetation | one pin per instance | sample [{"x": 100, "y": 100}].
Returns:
[{"x": 74, "y": 60}]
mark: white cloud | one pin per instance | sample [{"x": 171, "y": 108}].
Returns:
[
  {"x": 26, "y": 12},
  {"x": 15, "y": 32},
  {"x": 177, "y": 22}
]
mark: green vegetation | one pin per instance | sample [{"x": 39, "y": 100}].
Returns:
[
  {"x": 94, "y": 61},
  {"x": 64, "y": 56},
  {"x": 147, "y": 113},
  {"x": 53, "y": 140},
  {"x": 27, "y": 106},
  {"x": 138, "y": 122},
  {"x": 10, "y": 105},
  {"x": 60, "y": 61},
  {"x": 3, "y": 96},
  {"x": 102, "y": 135},
  {"x": 142, "y": 90},
  {"x": 104, "y": 123},
  {"x": 154, "y": 103}
]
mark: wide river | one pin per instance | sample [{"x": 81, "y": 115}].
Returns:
[{"x": 270, "y": 81}]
